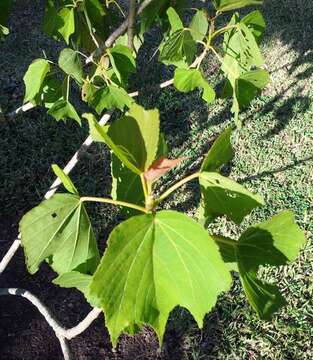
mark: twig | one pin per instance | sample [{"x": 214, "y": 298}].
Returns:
[
  {"x": 62, "y": 334},
  {"x": 53, "y": 188},
  {"x": 131, "y": 23},
  {"x": 118, "y": 32},
  {"x": 46, "y": 314}
]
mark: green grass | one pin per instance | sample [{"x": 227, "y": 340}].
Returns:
[{"x": 273, "y": 156}]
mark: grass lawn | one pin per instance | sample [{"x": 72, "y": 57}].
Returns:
[{"x": 273, "y": 156}]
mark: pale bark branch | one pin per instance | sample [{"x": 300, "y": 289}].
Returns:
[
  {"x": 131, "y": 23},
  {"x": 118, "y": 32},
  {"x": 61, "y": 333}
]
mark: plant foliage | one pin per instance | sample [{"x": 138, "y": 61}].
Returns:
[{"x": 155, "y": 259}]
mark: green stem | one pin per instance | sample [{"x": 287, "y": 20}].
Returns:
[
  {"x": 113, "y": 202},
  {"x": 221, "y": 31},
  {"x": 68, "y": 88},
  {"x": 176, "y": 186}
]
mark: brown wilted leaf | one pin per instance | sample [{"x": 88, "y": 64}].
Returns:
[{"x": 160, "y": 167}]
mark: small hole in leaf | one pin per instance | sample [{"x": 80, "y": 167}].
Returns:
[{"x": 54, "y": 215}]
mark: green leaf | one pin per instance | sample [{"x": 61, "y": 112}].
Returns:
[
  {"x": 69, "y": 62},
  {"x": 242, "y": 55},
  {"x": 199, "y": 25},
  {"x": 111, "y": 97},
  {"x": 34, "y": 78},
  {"x": 249, "y": 84},
  {"x": 137, "y": 134},
  {"x": 59, "y": 227},
  {"x": 228, "y": 250},
  {"x": 228, "y": 5},
  {"x": 274, "y": 242},
  {"x": 67, "y": 26},
  {"x": 174, "y": 19},
  {"x": 223, "y": 196},
  {"x": 123, "y": 62},
  {"x": 51, "y": 92},
  {"x": 95, "y": 13},
  {"x": 126, "y": 186},
  {"x": 162, "y": 261},
  {"x": 220, "y": 153},
  {"x": 99, "y": 134},
  {"x": 5, "y": 8},
  {"x": 66, "y": 181},
  {"x": 256, "y": 24},
  {"x": 264, "y": 298},
  {"x": 74, "y": 279},
  {"x": 186, "y": 80},
  {"x": 62, "y": 110},
  {"x": 179, "y": 49}
]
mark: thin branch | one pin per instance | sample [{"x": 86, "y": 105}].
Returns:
[
  {"x": 131, "y": 23},
  {"x": 9, "y": 255},
  {"x": 118, "y": 32},
  {"x": 58, "y": 329},
  {"x": 45, "y": 313}
]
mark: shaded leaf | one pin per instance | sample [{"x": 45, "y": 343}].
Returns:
[
  {"x": 220, "y": 153},
  {"x": 62, "y": 110},
  {"x": 223, "y": 196},
  {"x": 126, "y": 186}
]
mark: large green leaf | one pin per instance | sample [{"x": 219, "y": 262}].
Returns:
[
  {"x": 223, "y": 196},
  {"x": 179, "y": 49},
  {"x": 153, "y": 264},
  {"x": 220, "y": 153},
  {"x": 227, "y": 5},
  {"x": 199, "y": 25},
  {"x": 59, "y": 228},
  {"x": 186, "y": 80},
  {"x": 34, "y": 78},
  {"x": 66, "y": 23},
  {"x": 111, "y": 97},
  {"x": 63, "y": 110},
  {"x": 69, "y": 62}
]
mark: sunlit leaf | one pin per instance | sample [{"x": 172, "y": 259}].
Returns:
[
  {"x": 59, "y": 228},
  {"x": 63, "y": 110},
  {"x": 34, "y": 78},
  {"x": 199, "y": 25},
  {"x": 162, "y": 261},
  {"x": 69, "y": 62},
  {"x": 227, "y": 5},
  {"x": 66, "y": 180}
]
